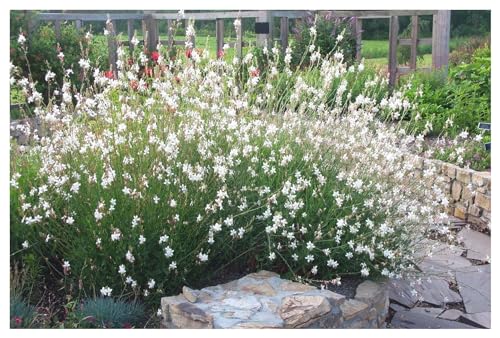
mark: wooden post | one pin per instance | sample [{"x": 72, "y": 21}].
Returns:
[
  {"x": 414, "y": 42},
  {"x": 78, "y": 24},
  {"x": 130, "y": 32},
  {"x": 239, "y": 39},
  {"x": 219, "y": 35},
  {"x": 152, "y": 29},
  {"x": 265, "y": 17},
  {"x": 170, "y": 33},
  {"x": 358, "y": 29},
  {"x": 57, "y": 29},
  {"x": 441, "y": 40},
  {"x": 284, "y": 33},
  {"x": 112, "y": 48},
  {"x": 393, "y": 49}
]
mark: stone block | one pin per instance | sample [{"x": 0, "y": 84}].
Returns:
[
  {"x": 464, "y": 175},
  {"x": 456, "y": 190},
  {"x": 474, "y": 211},
  {"x": 449, "y": 170},
  {"x": 480, "y": 179},
  {"x": 483, "y": 201}
]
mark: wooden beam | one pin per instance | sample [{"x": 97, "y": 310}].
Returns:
[
  {"x": 86, "y": 16},
  {"x": 267, "y": 17},
  {"x": 130, "y": 32},
  {"x": 414, "y": 42},
  {"x": 210, "y": 15},
  {"x": 170, "y": 33},
  {"x": 112, "y": 48},
  {"x": 78, "y": 24},
  {"x": 420, "y": 42},
  {"x": 151, "y": 28},
  {"x": 219, "y": 35},
  {"x": 441, "y": 40},
  {"x": 284, "y": 33},
  {"x": 358, "y": 29},
  {"x": 57, "y": 29},
  {"x": 238, "y": 45},
  {"x": 393, "y": 49}
]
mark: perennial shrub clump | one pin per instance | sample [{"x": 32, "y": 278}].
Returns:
[{"x": 168, "y": 171}]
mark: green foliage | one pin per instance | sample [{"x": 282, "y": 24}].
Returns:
[
  {"x": 466, "y": 50},
  {"x": 328, "y": 29},
  {"x": 109, "y": 313},
  {"x": 462, "y": 99},
  {"x": 22, "y": 315},
  {"x": 43, "y": 50}
]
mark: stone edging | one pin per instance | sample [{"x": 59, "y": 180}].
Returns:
[
  {"x": 264, "y": 300},
  {"x": 469, "y": 191}
]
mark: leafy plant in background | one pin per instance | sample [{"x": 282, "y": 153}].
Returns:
[
  {"x": 332, "y": 34},
  {"x": 464, "y": 52},
  {"x": 109, "y": 313},
  {"x": 449, "y": 105}
]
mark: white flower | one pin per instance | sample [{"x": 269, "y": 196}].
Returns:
[
  {"x": 25, "y": 245},
  {"x": 151, "y": 283},
  {"x": 202, "y": 257},
  {"x": 75, "y": 187},
  {"x": 98, "y": 215},
  {"x": 84, "y": 64},
  {"x": 122, "y": 270},
  {"x": 142, "y": 239},
  {"x": 340, "y": 37},
  {"x": 272, "y": 256},
  {"x": 332, "y": 263},
  {"x": 48, "y": 238},
  {"x": 169, "y": 252},
  {"x": 106, "y": 291},
  {"x": 163, "y": 239},
  {"x": 309, "y": 258},
  {"x": 314, "y": 270},
  {"x": 70, "y": 220},
  {"x": 310, "y": 246},
  {"x": 173, "y": 203},
  {"x": 21, "y": 39},
  {"x": 313, "y": 31},
  {"x": 129, "y": 257},
  {"x": 172, "y": 266},
  {"x": 98, "y": 242},
  {"x": 66, "y": 265},
  {"x": 115, "y": 236},
  {"x": 49, "y": 76},
  {"x": 159, "y": 312}
]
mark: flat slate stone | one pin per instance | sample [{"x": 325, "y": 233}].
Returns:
[
  {"x": 435, "y": 292},
  {"x": 428, "y": 311},
  {"x": 396, "y": 307},
  {"x": 413, "y": 320},
  {"x": 451, "y": 314},
  {"x": 478, "y": 245},
  {"x": 482, "y": 319},
  {"x": 475, "y": 287},
  {"x": 444, "y": 265}
]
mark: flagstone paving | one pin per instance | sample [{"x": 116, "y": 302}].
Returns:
[{"x": 455, "y": 291}]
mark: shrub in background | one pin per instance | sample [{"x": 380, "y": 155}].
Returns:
[
  {"x": 464, "y": 52},
  {"x": 333, "y": 34}
]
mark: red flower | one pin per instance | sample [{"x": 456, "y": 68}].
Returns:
[
  {"x": 255, "y": 73},
  {"x": 127, "y": 326},
  {"x": 148, "y": 71},
  {"x": 109, "y": 74},
  {"x": 130, "y": 62},
  {"x": 220, "y": 54},
  {"x": 177, "y": 79},
  {"x": 188, "y": 53},
  {"x": 18, "y": 320},
  {"x": 154, "y": 56},
  {"x": 134, "y": 84}
]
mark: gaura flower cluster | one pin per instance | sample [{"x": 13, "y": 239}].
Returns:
[{"x": 146, "y": 180}]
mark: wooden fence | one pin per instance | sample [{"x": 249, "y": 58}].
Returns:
[{"x": 439, "y": 41}]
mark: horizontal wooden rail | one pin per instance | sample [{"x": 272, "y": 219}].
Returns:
[
  {"x": 211, "y": 15},
  {"x": 421, "y": 42},
  {"x": 407, "y": 70},
  {"x": 88, "y": 17}
]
